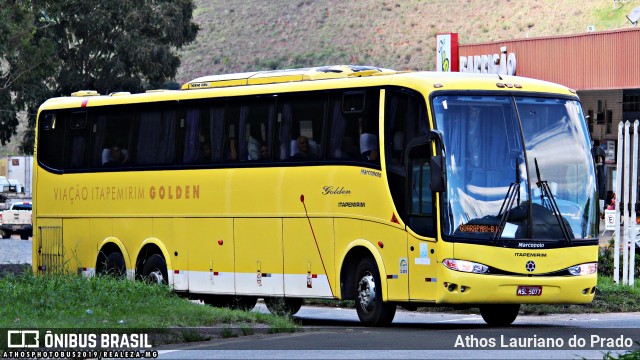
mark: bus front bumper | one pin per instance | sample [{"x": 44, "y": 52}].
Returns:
[{"x": 467, "y": 288}]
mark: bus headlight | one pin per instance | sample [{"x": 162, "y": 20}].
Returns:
[
  {"x": 465, "y": 266},
  {"x": 584, "y": 269}
]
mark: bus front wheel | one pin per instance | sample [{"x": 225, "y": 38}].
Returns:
[
  {"x": 371, "y": 310},
  {"x": 155, "y": 270},
  {"x": 499, "y": 315}
]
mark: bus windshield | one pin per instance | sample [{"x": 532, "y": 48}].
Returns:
[{"x": 513, "y": 164}]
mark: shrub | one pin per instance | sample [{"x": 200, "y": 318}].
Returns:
[{"x": 605, "y": 260}]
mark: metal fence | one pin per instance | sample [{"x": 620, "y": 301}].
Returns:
[{"x": 626, "y": 192}]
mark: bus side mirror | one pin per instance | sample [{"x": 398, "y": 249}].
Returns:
[
  {"x": 438, "y": 182},
  {"x": 437, "y": 164}
]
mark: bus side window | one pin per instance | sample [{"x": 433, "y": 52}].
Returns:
[
  {"x": 259, "y": 130},
  {"x": 200, "y": 133},
  {"x": 190, "y": 134},
  {"x": 230, "y": 147},
  {"x": 249, "y": 126},
  {"x": 301, "y": 127},
  {"x": 155, "y": 142},
  {"x": 78, "y": 141},
  {"x": 353, "y": 134},
  {"x": 111, "y": 128}
]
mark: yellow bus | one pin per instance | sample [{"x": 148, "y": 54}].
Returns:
[{"x": 339, "y": 182}]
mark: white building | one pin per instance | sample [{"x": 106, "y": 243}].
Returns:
[{"x": 18, "y": 171}]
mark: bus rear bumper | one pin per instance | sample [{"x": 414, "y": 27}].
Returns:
[{"x": 464, "y": 288}]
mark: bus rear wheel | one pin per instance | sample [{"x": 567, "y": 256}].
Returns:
[
  {"x": 371, "y": 310},
  {"x": 244, "y": 303},
  {"x": 113, "y": 265},
  {"x": 499, "y": 315},
  {"x": 155, "y": 270},
  {"x": 283, "y": 306},
  {"x": 220, "y": 301}
]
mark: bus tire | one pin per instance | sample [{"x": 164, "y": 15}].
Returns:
[
  {"x": 155, "y": 270},
  {"x": 220, "y": 301},
  {"x": 499, "y": 315},
  {"x": 113, "y": 265},
  {"x": 283, "y": 306},
  {"x": 371, "y": 309},
  {"x": 244, "y": 303}
]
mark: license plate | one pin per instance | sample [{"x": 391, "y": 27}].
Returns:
[
  {"x": 16, "y": 227},
  {"x": 529, "y": 291}
]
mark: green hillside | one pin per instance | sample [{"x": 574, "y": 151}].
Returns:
[{"x": 245, "y": 35}]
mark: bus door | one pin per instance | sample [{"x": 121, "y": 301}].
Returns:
[{"x": 420, "y": 220}]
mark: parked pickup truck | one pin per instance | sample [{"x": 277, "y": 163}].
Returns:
[{"x": 16, "y": 220}]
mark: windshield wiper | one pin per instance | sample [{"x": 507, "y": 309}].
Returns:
[
  {"x": 507, "y": 205},
  {"x": 553, "y": 205}
]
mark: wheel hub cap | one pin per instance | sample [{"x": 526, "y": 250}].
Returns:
[
  {"x": 366, "y": 292},
  {"x": 156, "y": 277}
]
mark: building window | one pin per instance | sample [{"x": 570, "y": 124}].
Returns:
[{"x": 631, "y": 103}]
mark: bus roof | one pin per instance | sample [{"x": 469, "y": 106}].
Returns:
[
  {"x": 290, "y": 75},
  {"x": 343, "y": 75}
]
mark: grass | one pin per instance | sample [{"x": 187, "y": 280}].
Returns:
[
  {"x": 630, "y": 355},
  {"x": 101, "y": 302},
  {"x": 75, "y": 302}
]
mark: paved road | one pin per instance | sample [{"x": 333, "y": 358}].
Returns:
[
  {"x": 336, "y": 334},
  {"x": 14, "y": 251},
  {"x": 15, "y": 256}
]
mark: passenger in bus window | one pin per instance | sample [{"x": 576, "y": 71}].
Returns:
[
  {"x": 205, "y": 153},
  {"x": 303, "y": 149},
  {"x": 397, "y": 149},
  {"x": 232, "y": 153},
  {"x": 114, "y": 156},
  {"x": 369, "y": 147},
  {"x": 264, "y": 151},
  {"x": 348, "y": 149}
]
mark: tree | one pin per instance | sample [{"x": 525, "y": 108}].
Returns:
[
  {"x": 108, "y": 46},
  {"x": 24, "y": 61}
]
